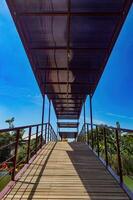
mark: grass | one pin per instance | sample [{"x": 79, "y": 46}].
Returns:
[
  {"x": 128, "y": 182},
  {"x": 5, "y": 180}
]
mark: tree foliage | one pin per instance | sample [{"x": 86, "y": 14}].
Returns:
[{"x": 126, "y": 148}]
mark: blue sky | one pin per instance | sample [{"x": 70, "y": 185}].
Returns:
[{"x": 20, "y": 96}]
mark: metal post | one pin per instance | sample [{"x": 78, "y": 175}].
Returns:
[
  {"x": 78, "y": 128},
  {"x": 59, "y": 133},
  {"x": 88, "y": 134},
  {"x": 51, "y": 133},
  {"x": 97, "y": 135},
  {"x": 58, "y": 130},
  {"x": 43, "y": 106},
  {"x": 84, "y": 114},
  {"x": 36, "y": 139},
  {"x": 85, "y": 124},
  {"x": 46, "y": 133},
  {"x": 119, "y": 155},
  {"x": 15, "y": 154},
  {"x": 49, "y": 113},
  {"x": 28, "y": 147},
  {"x": 77, "y": 131},
  {"x": 91, "y": 121},
  {"x": 57, "y": 126},
  {"x": 105, "y": 146}
]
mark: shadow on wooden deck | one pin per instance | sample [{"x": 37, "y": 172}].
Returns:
[{"x": 66, "y": 171}]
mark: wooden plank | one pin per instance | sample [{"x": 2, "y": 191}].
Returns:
[{"x": 72, "y": 172}]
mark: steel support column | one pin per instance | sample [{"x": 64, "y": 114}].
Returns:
[
  {"x": 85, "y": 123},
  {"x": 118, "y": 142},
  {"x": 84, "y": 114},
  {"x": 57, "y": 129},
  {"x": 88, "y": 134},
  {"x": 77, "y": 131},
  {"x": 49, "y": 115},
  {"x": 78, "y": 127},
  {"x": 43, "y": 107},
  {"x": 91, "y": 121}
]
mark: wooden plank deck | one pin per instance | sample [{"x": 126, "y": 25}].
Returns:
[{"x": 69, "y": 171}]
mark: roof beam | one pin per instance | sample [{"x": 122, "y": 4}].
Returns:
[
  {"x": 68, "y": 123},
  {"x": 61, "y": 107},
  {"x": 63, "y": 132},
  {"x": 64, "y": 116},
  {"x": 65, "y": 48},
  {"x": 76, "y": 98},
  {"x": 79, "y": 106},
  {"x": 94, "y": 14},
  {"x": 70, "y": 83},
  {"x": 70, "y": 111},
  {"x": 67, "y": 112},
  {"x": 88, "y": 69},
  {"x": 65, "y": 103},
  {"x": 64, "y": 93}
]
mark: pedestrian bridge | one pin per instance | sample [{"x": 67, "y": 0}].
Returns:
[
  {"x": 68, "y": 43},
  {"x": 64, "y": 170}
]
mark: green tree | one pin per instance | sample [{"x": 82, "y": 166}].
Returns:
[
  {"x": 10, "y": 122},
  {"x": 5, "y": 139}
]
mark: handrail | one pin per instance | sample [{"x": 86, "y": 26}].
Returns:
[
  {"x": 100, "y": 138},
  {"x": 33, "y": 141},
  {"x": 110, "y": 127},
  {"x": 20, "y": 127}
]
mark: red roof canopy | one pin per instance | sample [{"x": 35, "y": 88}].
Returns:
[{"x": 68, "y": 43}]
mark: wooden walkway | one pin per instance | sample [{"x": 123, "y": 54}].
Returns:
[{"x": 68, "y": 171}]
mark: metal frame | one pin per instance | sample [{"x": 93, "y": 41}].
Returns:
[
  {"x": 29, "y": 153},
  {"x": 43, "y": 107},
  {"x": 70, "y": 13},
  {"x": 38, "y": 71},
  {"x": 117, "y": 131},
  {"x": 91, "y": 120},
  {"x": 49, "y": 117}
]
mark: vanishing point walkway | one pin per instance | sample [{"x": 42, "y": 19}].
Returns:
[{"x": 66, "y": 171}]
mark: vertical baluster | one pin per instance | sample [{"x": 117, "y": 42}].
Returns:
[
  {"x": 43, "y": 107},
  {"x": 36, "y": 139},
  {"x": 92, "y": 138},
  {"x": 56, "y": 137},
  {"x": 45, "y": 133},
  {"x": 91, "y": 123},
  {"x": 119, "y": 155},
  {"x": 84, "y": 133},
  {"x": 49, "y": 115},
  {"x": 28, "y": 148},
  {"x": 87, "y": 134},
  {"x": 15, "y": 154},
  {"x": 97, "y": 135},
  {"x": 105, "y": 146},
  {"x": 50, "y": 133}
]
